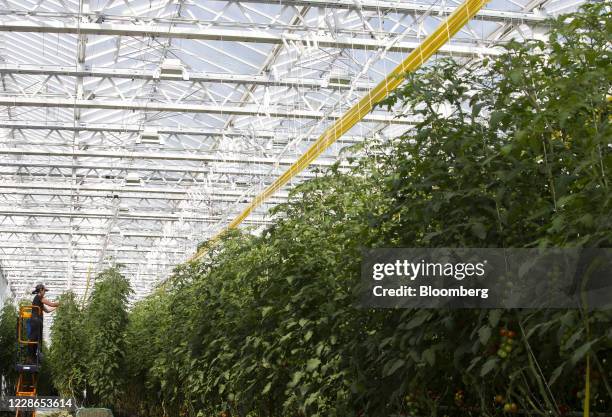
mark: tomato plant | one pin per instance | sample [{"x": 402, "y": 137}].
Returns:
[
  {"x": 105, "y": 321},
  {"x": 67, "y": 354},
  {"x": 88, "y": 344},
  {"x": 8, "y": 343}
]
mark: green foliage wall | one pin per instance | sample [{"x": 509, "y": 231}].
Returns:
[
  {"x": 145, "y": 320},
  {"x": 8, "y": 341},
  {"x": 68, "y": 353},
  {"x": 512, "y": 152},
  {"x": 105, "y": 323},
  {"x": 88, "y": 344}
]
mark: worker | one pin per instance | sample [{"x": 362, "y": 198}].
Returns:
[{"x": 36, "y": 322}]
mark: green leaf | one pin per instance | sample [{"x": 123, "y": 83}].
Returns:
[
  {"x": 417, "y": 320},
  {"x": 392, "y": 366},
  {"x": 494, "y": 316},
  {"x": 476, "y": 109},
  {"x": 429, "y": 355},
  {"x": 312, "y": 364},
  {"x": 488, "y": 366},
  {"x": 473, "y": 363},
  {"x": 267, "y": 388},
  {"x": 582, "y": 351},
  {"x": 556, "y": 374},
  {"x": 515, "y": 76},
  {"x": 266, "y": 310},
  {"x": 297, "y": 376},
  {"x": 506, "y": 149},
  {"x": 495, "y": 119},
  {"x": 484, "y": 334},
  {"x": 479, "y": 230}
]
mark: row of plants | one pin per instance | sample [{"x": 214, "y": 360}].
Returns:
[
  {"x": 8, "y": 348},
  {"x": 514, "y": 151},
  {"x": 87, "y": 352}
]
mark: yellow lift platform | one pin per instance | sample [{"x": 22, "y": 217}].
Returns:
[{"x": 27, "y": 365}]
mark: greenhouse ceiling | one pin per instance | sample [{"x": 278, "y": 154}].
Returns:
[{"x": 131, "y": 131}]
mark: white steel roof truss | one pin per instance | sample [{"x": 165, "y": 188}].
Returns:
[{"x": 77, "y": 95}]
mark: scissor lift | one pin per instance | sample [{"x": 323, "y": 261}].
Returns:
[{"x": 26, "y": 365}]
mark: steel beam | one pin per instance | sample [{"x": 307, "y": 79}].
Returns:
[
  {"x": 186, "y": 169},
  {"x": 130, "y": 128},
  {"x": 203, "y": 77},
  {"x": 342, "y": 41},
  {"x": 50, "y": 246},
  {"x": 378, "y": 6},
  {"x": 96, "y": 177},
  {"x": 403, "y": 7},
  {"x": 47, "y": 269},
  {"x": 49, "y": 231},
  {"x": 106, "y": 214},
  {"x": 131, "y": 189},
  {"x": 155, "y": 156},
  {"x": 124, "y": 195},
  {"x": 144, "y": 105},
  {"x": 127, "y": 195},
  {"x": 280, "y": 135},
  {"x": 81, "y": 260},
  {"x": 212, "y": 179}
]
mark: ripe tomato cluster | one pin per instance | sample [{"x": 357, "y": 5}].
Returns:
[
  {"x": 507, "y": 341},
  {"x": 509, "y": 407},
  {"x": 411, "y": 404},
  {"x": 459, "y": 397}
]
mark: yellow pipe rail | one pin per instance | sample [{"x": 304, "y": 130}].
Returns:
[{"x": 413, "y": 61}]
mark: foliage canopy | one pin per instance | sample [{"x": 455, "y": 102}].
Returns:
[{"x": 510, "y": 152}]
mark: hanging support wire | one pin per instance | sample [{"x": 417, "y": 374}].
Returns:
[
  {"x": 84, "y": 300},
  {"x": 443, "y": 33}
]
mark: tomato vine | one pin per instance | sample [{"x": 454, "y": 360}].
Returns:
[
  {"x": 8, "y": 343},
  {"x": 87, "y": 354}
]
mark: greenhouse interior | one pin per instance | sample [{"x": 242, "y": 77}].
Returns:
[{"x": 305, "y": 208}]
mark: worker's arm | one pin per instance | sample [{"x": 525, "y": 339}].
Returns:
[
  {"x": 46, "y": 309},
  {"x": 49, "y": 303}
]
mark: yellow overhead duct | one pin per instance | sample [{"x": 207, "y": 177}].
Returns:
[{"x": 447, "y": 29}]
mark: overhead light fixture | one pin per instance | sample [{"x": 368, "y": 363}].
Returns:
[
  {"x": 132, "y": 178},
  {"x": 339, "y": 78},
  {"x": 173, "y": 67},
  {"x": 149, "y": 136}
]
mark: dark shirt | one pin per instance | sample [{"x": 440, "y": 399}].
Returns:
[{"x": 36, "y": 313}]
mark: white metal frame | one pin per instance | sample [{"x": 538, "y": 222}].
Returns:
[{"x": 82, "y": 80}]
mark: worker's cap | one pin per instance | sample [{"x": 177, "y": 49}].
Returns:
[{"x": 39, "y": 288}]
